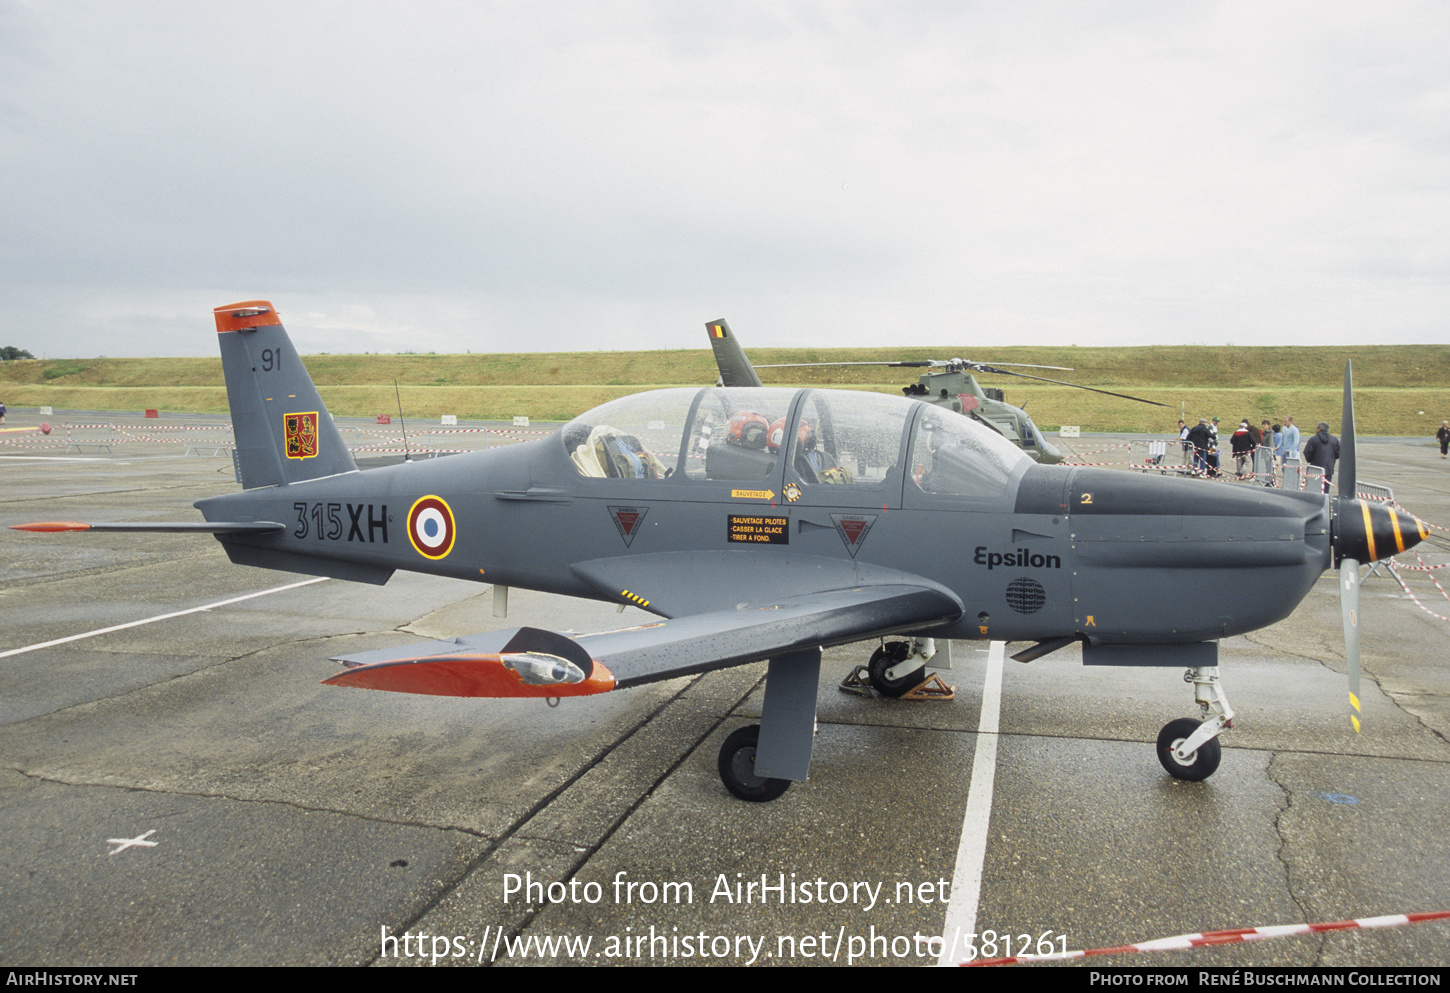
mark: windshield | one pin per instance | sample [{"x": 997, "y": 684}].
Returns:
[{"x": 953, "y": 456}]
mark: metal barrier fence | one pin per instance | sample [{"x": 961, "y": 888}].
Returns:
[
  {"x": 217, "y": 438},
  {"x": 97, "y": 436}
]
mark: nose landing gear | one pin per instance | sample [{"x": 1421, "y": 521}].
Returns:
[{"x": 1190, "y": 749}]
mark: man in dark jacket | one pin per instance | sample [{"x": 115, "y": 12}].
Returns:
[
  {"x": 1200, "y": 438},
  {"x": 1323, "y": 450}
]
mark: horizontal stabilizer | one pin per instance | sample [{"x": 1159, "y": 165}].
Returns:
[{"x": 160, "y": 527}]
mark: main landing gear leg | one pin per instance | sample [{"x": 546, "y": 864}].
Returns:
[
  {"x": 759, "y": 762},
  {"x": 1190, "y": 749}
]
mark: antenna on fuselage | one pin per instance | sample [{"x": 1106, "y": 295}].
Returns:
[{"x": 407, "y": 456}]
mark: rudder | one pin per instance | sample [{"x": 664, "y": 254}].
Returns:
[{"x": 283, "y": 432}]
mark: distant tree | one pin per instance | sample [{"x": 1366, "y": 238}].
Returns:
[{"x": 11, "y": 352}]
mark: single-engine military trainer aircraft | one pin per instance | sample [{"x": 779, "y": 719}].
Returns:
[{"x": 763, "y": 523}]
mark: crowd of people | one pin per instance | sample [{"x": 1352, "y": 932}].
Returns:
[{"x": 1261, "y": 451}]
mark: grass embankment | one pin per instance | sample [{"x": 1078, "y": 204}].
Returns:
[{"x": 1399, "y": 390}]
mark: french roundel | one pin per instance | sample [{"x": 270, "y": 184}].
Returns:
[{"x": 430, "y": 527}]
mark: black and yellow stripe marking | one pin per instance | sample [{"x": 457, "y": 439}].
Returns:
[
  {"x": 1420, "y": 530},
  {"x": 638, "y": 601},
  {"x": 1368, "y": 532}
]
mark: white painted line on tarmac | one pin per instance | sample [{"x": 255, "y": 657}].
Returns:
[
  {"x": 162, "y": 617},
  {"x": 126, "y": 843},
  {"x": 961, "y": 921}
]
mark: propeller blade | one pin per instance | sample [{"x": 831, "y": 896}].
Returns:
[
  {"x": 1348, "y": 566},
  {"x": 1347, "y": 478},
  {"x": 1349, "y": 613}
]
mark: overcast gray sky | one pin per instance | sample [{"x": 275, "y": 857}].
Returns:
[{"x": 493, "y": 176}]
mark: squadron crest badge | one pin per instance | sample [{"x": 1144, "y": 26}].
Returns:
[{"x": 300, "y": 433}]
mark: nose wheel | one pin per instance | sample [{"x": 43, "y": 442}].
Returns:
[
  {"x": 1194, "y": 766},
  {"x": 1189, "y": 749}
]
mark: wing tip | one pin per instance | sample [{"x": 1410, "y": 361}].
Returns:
[{"x": 465, "y": 676}]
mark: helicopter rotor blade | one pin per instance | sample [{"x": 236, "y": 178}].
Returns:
[
  {"x": 805, "y": 365},
  {"x": 1078, "y": 386},
  {"x": 983, "y": 367},
  {"x": 975, "y": 367},
  {"x": 915, "y": 364}
]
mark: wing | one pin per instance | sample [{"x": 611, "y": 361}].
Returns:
[{"x": 528, "y": 662}]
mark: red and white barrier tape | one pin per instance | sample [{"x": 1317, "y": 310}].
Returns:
[
  {"x": 1230, "y": 936},
  {"x": 37, "y": 442},
  {"x": 1428, "y": 570},
  {"x": 506, "y": 432},
  {"x": 1433, "y": 527}
]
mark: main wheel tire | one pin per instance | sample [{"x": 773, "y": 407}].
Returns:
[
  {"x": 884, "y": 658},
  {"x": 1204, "y": 761},
  {"x": 737, "y": 768}
]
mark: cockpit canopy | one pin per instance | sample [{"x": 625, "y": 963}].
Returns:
[{"x": 808, "y": 437}]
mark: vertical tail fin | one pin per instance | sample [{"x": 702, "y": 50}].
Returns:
[
  {"x": 735, "y": 368},
  {"x": 283, "y": 432}
]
